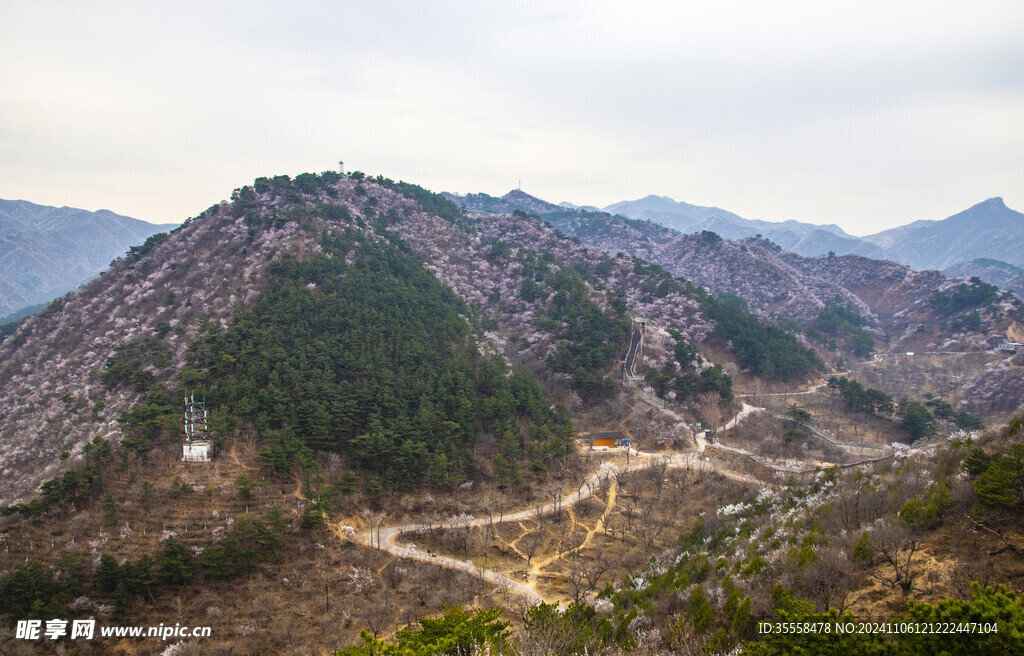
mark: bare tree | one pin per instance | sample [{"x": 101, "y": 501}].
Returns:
[
  {"x": 589, "y": 506},
  {"x": 529, "y": 544},
  {"x": 652, "y": 523},
  {"x": 382, "y": 616},
  {"x": 267, "y": 604},
  {"x": 427, "y": 521},
  {"x": 375, "y": 521},
  {"x": 757, "y": 392},
  {"x": 710, "y": 408},
  {"x": 459, "y": 531},
  {"x": 829, "y": 581},
  {"x": 655, "y": 473},
  {"x": 629, "y": 515},
  {"x": 857, "y": 502},
  {"x": 897, "y": 545},
  {"x": 576, "y": 575},
  {"x": 586, "y": 482},
  {"x": 490, "y": 532},
  {"x": 679, "y": 481},
  {"x": 566, "y": 533},
  {"x": 594, "y": 570},
  {"x": 996, "y": 530}
]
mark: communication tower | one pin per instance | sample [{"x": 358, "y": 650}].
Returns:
[{"x": 196, "y": 447}]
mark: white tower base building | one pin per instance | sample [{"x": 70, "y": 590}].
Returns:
[{"x": 196, "y": 451}]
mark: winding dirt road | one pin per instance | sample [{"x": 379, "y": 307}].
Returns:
[{"x": 385, "y": 537}]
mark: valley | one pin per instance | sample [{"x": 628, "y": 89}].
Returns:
[{"x": 400, "y": 395}]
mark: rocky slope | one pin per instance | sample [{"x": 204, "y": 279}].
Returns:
[
  {"x": 897, "y": 302},
  {"x": 51, "y": 368}
]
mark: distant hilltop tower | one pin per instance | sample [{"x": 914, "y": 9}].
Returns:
[
  {"x": 196, "y": 447},
  {"x": 341, "y": 167}
]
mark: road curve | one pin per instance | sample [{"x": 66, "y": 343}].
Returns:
[{"x": 385, "y": 537}]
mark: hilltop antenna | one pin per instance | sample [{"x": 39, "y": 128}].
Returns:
[{"x": 341, "y": 167}]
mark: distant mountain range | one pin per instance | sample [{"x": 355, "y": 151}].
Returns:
[
  {"x": 986, "y": 240},
  {"x": 1000, "y": 274},
  {"x": 48, "y": 251},
  {"x": 987, "y": 230},
  {"x": 795, "y": 236}
]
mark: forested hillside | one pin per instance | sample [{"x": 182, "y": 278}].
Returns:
[{"x": 360, "y": 351}]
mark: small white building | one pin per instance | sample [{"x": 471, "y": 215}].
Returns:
[{"x": 196, "y": 451}]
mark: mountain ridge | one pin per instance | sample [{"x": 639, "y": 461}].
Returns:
[
  {"x": 773, "y": 281},
  {"x": 47, "y": 251},
  {"x": 986, "y": 229},
  {"x": 797, "y": 236}
]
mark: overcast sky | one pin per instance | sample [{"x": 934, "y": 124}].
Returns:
[{"x": 866, "y": 114}]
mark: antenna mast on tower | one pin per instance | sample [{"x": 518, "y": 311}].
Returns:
[{"x": 195, "y": 418}]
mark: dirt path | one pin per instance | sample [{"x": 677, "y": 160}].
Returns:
[
  {"x": 386, "y": 536},
  {"x": 233, "y": 452},
  {"x": 512, "y": 545},
  {"x": 745, "y": 410},
  {"x": 599, "y": 524}
]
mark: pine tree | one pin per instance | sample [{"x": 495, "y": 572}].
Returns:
[
  {"x": 108, "y": 574},
  {"x": 864, "y": 551},
  {"x": 109, "y": 508},
  {"x": 174, "y": 563}
]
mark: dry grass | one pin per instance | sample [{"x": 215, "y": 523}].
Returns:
[
  {"x": 913, "y": 376},
  {"x": 599, "y": 541},
  {"x": 949, "y": 559},
  {"x": 766, "y": 435},
  {"x": 280, "y": 607}
]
